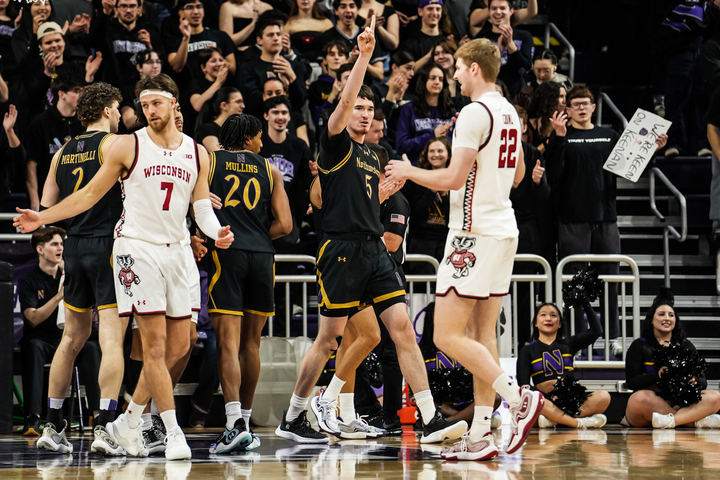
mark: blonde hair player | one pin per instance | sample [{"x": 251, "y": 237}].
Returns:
[
  {"x": 487, "y": 163},
  {"x": 162, "y": 170}
]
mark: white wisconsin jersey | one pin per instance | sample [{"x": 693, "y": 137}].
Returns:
[
  {"x": 157, "y": 190},
  {"x": 490, "y": 125}
]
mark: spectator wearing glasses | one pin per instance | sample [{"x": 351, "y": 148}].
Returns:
[
  {"x": 120, "y": 35},
  {"x": 585, "y": 194},
  {"x": 545, "y": 65},
  {"x": 147, "y": 64}
]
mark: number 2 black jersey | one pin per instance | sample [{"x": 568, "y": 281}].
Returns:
[
  {"x": 80, "y": 159},
  {"x": 244, "y": 183},
  {"x": 349, "y": 176}
]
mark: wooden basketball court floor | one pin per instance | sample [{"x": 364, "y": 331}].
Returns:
[{"x": 613, "y": 453}]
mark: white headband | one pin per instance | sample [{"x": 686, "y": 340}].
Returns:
[{"x": 162, "y": 93}]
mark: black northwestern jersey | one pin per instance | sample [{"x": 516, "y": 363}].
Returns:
[
  {"x": 349, "y": 177},
  {"x": 244, "y": 183},
  {"x": 80, "y": 159}
]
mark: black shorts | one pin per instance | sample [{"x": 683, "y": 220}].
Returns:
[
  {"x": 350, "y": 272},
  {"x": 89, "y": 278},
  {"x": 241, "y": 281},
  {"x": 381, "y": 306}
]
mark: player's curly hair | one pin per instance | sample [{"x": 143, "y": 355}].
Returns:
[
  {"x": 237, "y": 130},
  {"x": 94, "y": 99}
]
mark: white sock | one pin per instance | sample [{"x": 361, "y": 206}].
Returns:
[
  {"x": 297, "y": 406},
  {"x": 134, "y": 414},
  {"x": 246, "y": 414},
  {"x": 169, "y": 419},
  {"x": 426, "y": 405},
  {"x": 507, "y": 388},
  {"x": 481, "y": 422},
  {"x": 333, "y": 390},
  {"x": 56, "y": 403},
  {"x": 232, "y": 414},
  {"x": 147, "y": 421},
  {"x": 153, "y": 408},
  {"x": 347, "y": 406}
]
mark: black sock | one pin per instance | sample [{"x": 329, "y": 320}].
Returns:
[
  {"x": 105, "y": 417},
  {"x": 55, "y": 416}
]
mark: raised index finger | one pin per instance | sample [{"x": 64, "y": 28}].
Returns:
[{"x": 372, "y": 24}]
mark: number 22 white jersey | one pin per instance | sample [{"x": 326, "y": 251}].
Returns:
[
  {"x": 157, "y": 190},
  {"x": 490, "y": 125}
]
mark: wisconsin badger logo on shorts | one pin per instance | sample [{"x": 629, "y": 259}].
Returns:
[
  {"x": 127, "y": 276},
  {"x": 461, "y": 258}
]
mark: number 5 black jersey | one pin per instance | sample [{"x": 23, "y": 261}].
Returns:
[
  {"x": 244, "y": 183},
  {"x": 79, "y": 161}
]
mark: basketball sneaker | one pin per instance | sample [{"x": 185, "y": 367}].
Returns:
[
  {"x": 104, "y": 442},
  {"x": 466, "y": 449},
  {"x": 523, "y": 416},
  {"x": 299, "y": 430},
  {"x": 154, "y": 437},
  {"x": 236, "y": 439},
  {"x": 176, "y": 447},
  {"x": 54, "y": 441},
  {"x": 326, "y": 412},
  {"x": 130, "y": 439},
  {"x": 438, "y": 429}
]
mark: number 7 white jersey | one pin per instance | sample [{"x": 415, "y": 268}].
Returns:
[
  {"x": 157, "y": 190},
  {"x": 490, "y": 125}
]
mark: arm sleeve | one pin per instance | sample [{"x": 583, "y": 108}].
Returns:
[
  {"x": 523, "y": 367},
  {"x": 587, "y": 337},
  {"x": 634, "y": 366}
]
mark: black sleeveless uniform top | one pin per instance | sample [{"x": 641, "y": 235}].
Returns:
[
  {"x": 349, "y": 176},
  {"x": 244, "y": 183},
  {"x": 80, "y": 159}
]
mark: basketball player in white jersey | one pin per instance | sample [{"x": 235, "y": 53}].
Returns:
[
  {"x": 161, "y": 170},
  {"x": 482, "y": 241}
]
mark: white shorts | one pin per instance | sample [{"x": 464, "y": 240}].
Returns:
[
  {"x": 152, "y": 279},
  {"x": 476, "y": 266}
]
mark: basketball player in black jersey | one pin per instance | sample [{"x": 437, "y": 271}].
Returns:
[
  {"x": 240, "y": 296},
  {"x": 89, "y": 279},
  {"x": 352, "y": 265}
]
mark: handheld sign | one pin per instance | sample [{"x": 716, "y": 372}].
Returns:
[{"x": 637, "y": 145}]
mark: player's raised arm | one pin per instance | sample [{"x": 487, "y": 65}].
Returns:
[
  {"x": 118, "y": 161},
  {"x": 341, "y": 115},
  {"x": 280, "y": 206},
  {"x": 204, "y": 215}
]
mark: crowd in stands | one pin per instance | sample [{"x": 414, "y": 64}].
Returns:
[{"x": 286, "y": 62}]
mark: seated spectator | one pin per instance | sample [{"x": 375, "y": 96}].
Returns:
[
  {"x": 215, "y": 72},
  {"x": 41, "y": 293},
  {"x": 479, "y": 13},
  {"x": 443, "y": 56},
  {"x": 549, "y": 357},
  {"x": 429, "y": 209},
  {"x": 547, "y": 99},
  {"x": 347, "y": 30},
  {"x": 37, "y": 73},
  {"x": 274, "y": 87},
  {"x": 387, "y": 24},
  {"x": 324, "y": 90},
  {"x": 271, "y": 63},
  {"x": 516, "y": 46},
  {"x": 119, "y": 33},
  {"x": 238, "y": 18},
  {"x": 305, "y": 25},
  {"x": 148, "y": 64},
  {"x": 429, "y": 115},
  {"x": 50, "y": 130},
  {"x": 649, "y": 405},
  {"x": 226, "y": 101},
  {"x": 421, "y": 45},
  {"x": 544, "y": 70},
  {"x": 184, "y": 49}
]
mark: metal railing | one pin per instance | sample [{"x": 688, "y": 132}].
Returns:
[
  {"x": 668, "y": 230},
  {"x": 634, "y": 279},
  {"x": 428, "y": 280},
  {"x": 603, "y": 98},
  {"x": 530, "y": 278},
  {"x": 551, "y": 27},
  {"x": 288, "y": 279},
  {"x": 12, "y": 237}
]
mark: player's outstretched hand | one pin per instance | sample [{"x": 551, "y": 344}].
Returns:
[
  {"x": 398, "y": 170},
  {"x": 366, "y": 40},
  {"x": 28, "y": 220},
  {"x": 215, "y": 201},
  {"x": 225, "y": 237}
]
